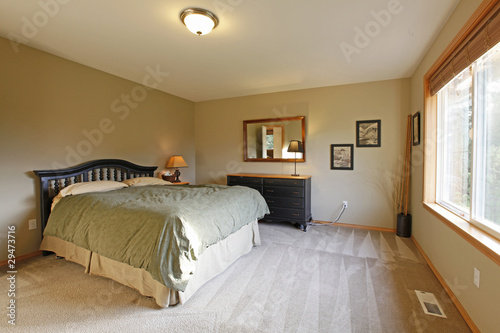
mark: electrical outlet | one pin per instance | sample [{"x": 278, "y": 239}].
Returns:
[
  {"x": 32, "y": 224},
  {"x": 476, "y": 277},
  {"x": 345, "y": 204}
]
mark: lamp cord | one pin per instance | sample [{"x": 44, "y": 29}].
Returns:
[{"x": 329, "y": 223}]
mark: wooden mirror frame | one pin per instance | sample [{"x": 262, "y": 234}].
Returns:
[{"x": 302, "y": 119}]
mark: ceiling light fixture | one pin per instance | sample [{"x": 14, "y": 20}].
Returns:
[{"x": 199, "y": 21}]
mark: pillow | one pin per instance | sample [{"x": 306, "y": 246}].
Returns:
[
  {"x": 80, "y": 188},
  {"x": 144, "y": 181}
]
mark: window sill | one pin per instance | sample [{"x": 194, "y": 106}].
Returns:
[{"x": 485, "y": 243}]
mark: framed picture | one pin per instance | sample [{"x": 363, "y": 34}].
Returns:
[
  {"x": 368, "y": 133},
  {"x": 342, "y": 157},
  {"x": 416, "y": 129}
]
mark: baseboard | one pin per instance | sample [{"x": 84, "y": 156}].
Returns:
[
  {"x": 21, "y": 258},
  {"x": 356, "y": 226},
  {"x": 448, "y": 290}
]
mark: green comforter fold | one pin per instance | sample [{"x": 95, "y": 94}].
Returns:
[{"x": 162, "y": 229}]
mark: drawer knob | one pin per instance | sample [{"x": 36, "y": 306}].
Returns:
[
  {"x": 270, "y": 191},
  {"x": 295, "y": 214},
  {"x": 270, "y": 201},
  {"x": 295, "y": 203},
  {"x": 295, "y": 192}
]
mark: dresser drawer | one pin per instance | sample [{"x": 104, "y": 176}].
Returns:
[
  {"x": 286, "y": 213},
  {"x": 255, "y": 187},
  {"x": 284, "y": 182},
  {"x": 296, "y": 203},
  {"x": 279, "y": 191},
  {"x": 234, "y": 180}
]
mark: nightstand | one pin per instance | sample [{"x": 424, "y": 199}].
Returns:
[{"x": 181, "y": 183}]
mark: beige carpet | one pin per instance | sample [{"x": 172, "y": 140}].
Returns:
[{"x": 329, "y": 279}]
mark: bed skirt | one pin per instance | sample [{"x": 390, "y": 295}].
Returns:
[{"x": 213, "y": 261}]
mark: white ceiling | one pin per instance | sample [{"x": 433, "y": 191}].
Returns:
[{"x": 260, "y": 46}]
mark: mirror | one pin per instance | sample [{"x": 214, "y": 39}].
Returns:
[{"x": 266, "y": 140}]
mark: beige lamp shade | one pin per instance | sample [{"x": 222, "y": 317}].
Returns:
[{"x": 176, "y": 161}]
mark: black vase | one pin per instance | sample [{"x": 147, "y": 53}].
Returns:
[{"x": 404, "y": 225}]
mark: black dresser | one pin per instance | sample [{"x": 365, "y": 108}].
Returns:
[{"x": 288, "y": 197}]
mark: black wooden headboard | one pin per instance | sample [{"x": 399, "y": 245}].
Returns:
[{"x": 53, "y": 181}]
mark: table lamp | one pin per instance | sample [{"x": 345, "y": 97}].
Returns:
[
  {"x": 295, "y": 146},
  {"x": 176, "y": 162}
]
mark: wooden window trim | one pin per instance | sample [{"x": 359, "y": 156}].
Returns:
[
  {"x": 481, "y": 240},
  {"x": 479, "y": 34}
]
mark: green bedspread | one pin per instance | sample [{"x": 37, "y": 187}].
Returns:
[{"x": 162, "y": 229}]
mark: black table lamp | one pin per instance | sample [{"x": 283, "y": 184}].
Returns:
[{"x": 295, "y": 146}]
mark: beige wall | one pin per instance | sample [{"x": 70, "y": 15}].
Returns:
[
  {"x": 454, "y": 257},
  {"x": 46, "y": 104},
  {"x": 331, "y": 115}
]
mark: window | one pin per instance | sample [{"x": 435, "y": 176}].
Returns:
[
  {"x": 468, "y": 158},
  {"x": 454, "y": 151},
  {"x": 486, "y": 196},
  {"x": 462, "y": 132},
  {"x": 468, "y": 154}
]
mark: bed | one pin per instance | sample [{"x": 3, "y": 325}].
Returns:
[{"x": 163, "y": 240}]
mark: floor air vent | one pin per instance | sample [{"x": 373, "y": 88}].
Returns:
[{"x": 430, "y": 304}]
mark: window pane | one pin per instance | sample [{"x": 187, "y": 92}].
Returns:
[
  {"x": 487, "y": 146},
  {"x": 454, "y": 151},
  {"x": 269, "y": 141}
]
